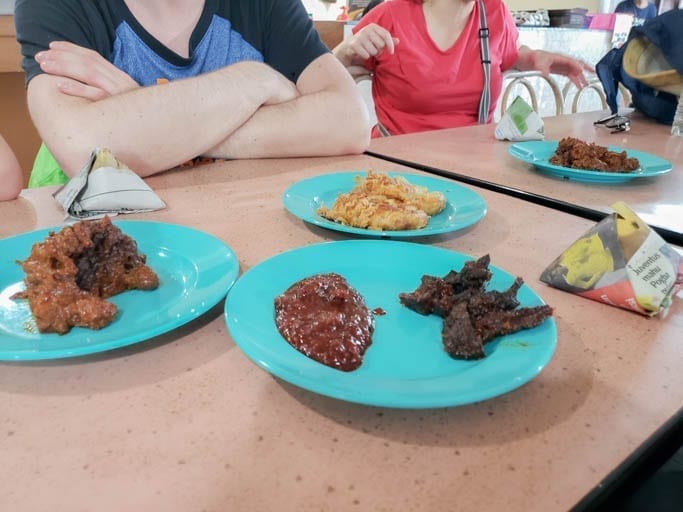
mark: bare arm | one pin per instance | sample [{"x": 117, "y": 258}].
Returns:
[
  {"x": 152, "y": 128},
  {"x": 11, "y": 178},
  {"x": 328, "y": 118},
  {"x": 548, "y": 62}
]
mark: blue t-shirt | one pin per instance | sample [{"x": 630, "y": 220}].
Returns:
[
  {"x": 277, "y": 32},
  {"x": 640, "y": 16}
]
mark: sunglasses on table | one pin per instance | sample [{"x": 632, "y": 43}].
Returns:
[{"x": 615, "y": 123}]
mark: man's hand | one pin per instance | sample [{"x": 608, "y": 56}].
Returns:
[
  {"x": 370, "y": 41},
  {"x": 90, "y": 76},
  {"x": 85, "y": 72}
]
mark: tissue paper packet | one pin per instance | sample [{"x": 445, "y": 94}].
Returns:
[
  {"x": 620, "y": 261},
  {"x": 520, "y": 122},
  {"x": 106, "y": 186}
]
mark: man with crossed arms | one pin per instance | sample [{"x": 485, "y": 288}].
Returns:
[{"x": 160, "y": 82}]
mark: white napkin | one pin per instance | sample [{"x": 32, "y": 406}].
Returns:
[
  {"x": 106, "y": 186},
  {"x": 520, "y": 122}
]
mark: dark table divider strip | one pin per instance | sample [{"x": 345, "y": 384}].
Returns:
[{"x": 670, "y": 236}]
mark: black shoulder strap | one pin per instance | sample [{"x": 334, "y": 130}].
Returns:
[{"x": 485, "y": 101}]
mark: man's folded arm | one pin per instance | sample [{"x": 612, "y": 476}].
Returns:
[
  {"x": 153, "y": 128},
  {"x": 328, "y": 118}
]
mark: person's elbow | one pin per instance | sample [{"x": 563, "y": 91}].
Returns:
[
  {"x": 359, "y": 131},
  {"x": 72, "y": 152},
  {"x": 72, "y": 127},
  {"x": 11, "y": 177},
  {"x": 12, "y": 185},
  {"x": 355, "y": 134}
]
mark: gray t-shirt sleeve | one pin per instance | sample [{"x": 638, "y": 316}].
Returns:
[
  {"x": 39, "y": 22},
  {"x": 291, "y": 41}
]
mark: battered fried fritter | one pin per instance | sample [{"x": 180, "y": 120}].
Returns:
[
  {"x": 382, "y": 203},
  {"x": 377, "y": 183},
  {"x": 374, "y": 212}
]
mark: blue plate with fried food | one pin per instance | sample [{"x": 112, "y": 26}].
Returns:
[
  {"x": 195, "y": 271},
  {"x": 406, "y": 365},
  {"x": 305, "y": 198},
  {"x": 539, "y": 152}
]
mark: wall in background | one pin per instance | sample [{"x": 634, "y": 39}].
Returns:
[
  {"x": 330, "y": 10},
  {"x": 523, "y": 5},
  {"x": 324, "y": 10},
  {"x": 15, "y": 124}
]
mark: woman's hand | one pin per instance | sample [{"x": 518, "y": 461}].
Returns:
[
  {"x": 548, "y": 62},
  {"x": 87, "y": 74},
  {"x": 368, "y": 42}
]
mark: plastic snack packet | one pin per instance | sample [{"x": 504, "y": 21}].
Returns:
[
  {"x": 520, "y": 122},
  {"x": 106, "y": 186},
  {"x": 620, "y": 261}
]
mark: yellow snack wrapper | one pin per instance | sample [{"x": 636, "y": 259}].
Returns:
[{"x": 620, "y": 261}]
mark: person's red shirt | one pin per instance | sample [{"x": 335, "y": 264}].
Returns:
[{"x": 421, "y": 87}]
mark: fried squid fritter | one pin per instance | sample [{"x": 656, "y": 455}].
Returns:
[{"x": 382, "y": 203}]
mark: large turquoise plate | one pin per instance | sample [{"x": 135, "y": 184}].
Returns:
[
  {"x": 538, "y": 153},
  {"x": 405, "y": 366},
  {"x": 195, "y": 271},
  {"x": 464, "y": 206}
]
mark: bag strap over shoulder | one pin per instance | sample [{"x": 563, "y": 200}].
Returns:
[{"x": 485, "y": 101}]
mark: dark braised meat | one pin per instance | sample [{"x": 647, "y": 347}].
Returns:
[
  {"x": 577, "y": 154},
  {"x": 438, "y": 295},
  {"x": 434, "y": 295},
  {"x": 472, "y": 316},
  {"x": 500, "y": 323},
  {"x": 473, "y": 276},
  {"x": 460, "y": 338},
  {"x": 69, "y": 275},
  {"x": 481, "y": 304}
]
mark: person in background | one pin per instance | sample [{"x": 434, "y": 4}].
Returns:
[
  {"x": 160, "y": 82},
  {"x": 427, "y": 64},
  {"x": 641, "y": 10},
  {"x": 11, "y": 177},
  {"x": 371, "y": 5}
]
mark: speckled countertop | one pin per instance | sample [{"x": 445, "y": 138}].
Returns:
[
  {"x": 187, "y": 422},
  {"x": 658, "y": 200}
]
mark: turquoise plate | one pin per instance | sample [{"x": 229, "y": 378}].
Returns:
[
  {"x": 195, "y": 272},
  {"x": 464, "y": 206},
  {"x": 406, "y": 365},
  {"x": 538, "y": 153}
]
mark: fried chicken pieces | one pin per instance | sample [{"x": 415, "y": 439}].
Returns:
[
  {"x": 577, "y": 154},
  {"x": 472, "y": 316},
  {"x": 69, "y": 275},
  {"x": 383, "y": 203}
]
